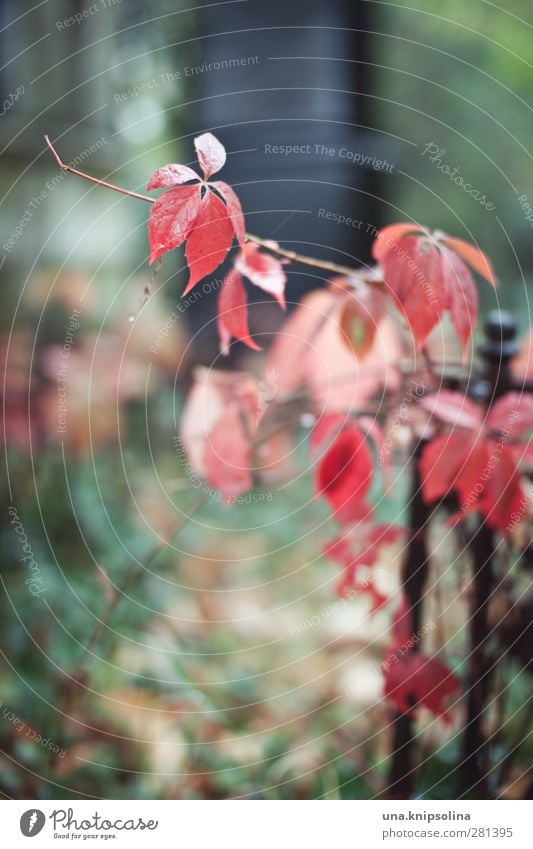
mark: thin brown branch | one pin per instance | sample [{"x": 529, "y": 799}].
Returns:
[
  {"x": 88, "y": 177},
  {"x": 368, "y": 275}
]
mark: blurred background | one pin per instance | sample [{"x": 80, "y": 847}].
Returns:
[{"x": 201, "y": 687}]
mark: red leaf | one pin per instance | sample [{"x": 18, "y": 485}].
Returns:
[
  {"x": 234, "y": 209},
  {"x": 413, "y": 275},
  {"x": 462, "y": 295},
  {"x": 413, "y": 680},
  {"x": 513, "y": 411},
  {"x": 504, "y": 497},
  {"x": 344, "y": 474},
  {"x": 439, "y": 464},
  {"x": 210, "y": 239},
  {"x": 454, "y": 408},
  {"x": 388, "y": 237},
  {"x": 228, "y": 454},
  {"x": 210, "y": 152},
  {"x": 426, "y": 276},
  {"x": 358, "y": 549},
  {"x": 472, "y": 475},
  {"x": 171, "y": 175},
  {"x": 455, "y": 463},
  {"x": 172, "y": 218},
  {"x": 309, "y": 340},
  {"x": 233, "y": 313},
  {"x": 475, "y": 258},
  {"x": 263, "y": 270},
  {"x": 482, "y": 472},
  {"x": 359, "y": 318},
  {"x": 212, "y": 393}
]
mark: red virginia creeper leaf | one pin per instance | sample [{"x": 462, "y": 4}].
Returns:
[
  {"x": 210, "y": 239},
  {"x": 440, "y": 461},
  {"x": 263, "y": 270},
  {"x": 414, "y": 680},
  {"x": 228, "y": 454},
  {"x": 172, "y": 218},
  {"x": 481, "y": 471},
  {"x": 309, "y": 340},
  {"x": 413, "y": 276},
  {"x": 171, "y": 175},
  {"x": 233, "y": 313},
  {"x": 357, "y": 550},
  {"x": 212, "y": 392},
  {"x": 344, "y": 474},
  {"x": 512, "y": 412},
  {"x": 504, "y": 497},
  {"x": 462, "y": 295},
  {"x": 359, "y": 319},
  {"x": 389, "y": 236},
  {"x": 426, "y": 275},
  {"x": 234, "y": 209},
  {"x": 454, "y": 409},
  {"x": 210, "y": 152},
  {"x": 475, "y": 258}
]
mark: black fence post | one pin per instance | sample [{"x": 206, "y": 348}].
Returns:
[
  {"x": 497, "y": 351},
  {"x": 414, "y": 578}
]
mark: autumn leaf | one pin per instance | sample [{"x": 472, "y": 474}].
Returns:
[
  {"x": 209, "y": 241},
  {"x": 205, "y": 215},
  {"x": 344, "y": 474},
  {"x": 228, "y": 454},
  {"x": 211, "y": 154},
  {"x": 415, "y": 680},
  {"x": 171, "y": 175},
  {"x": 357, "y": 550},
  {"x": 481, "y": 471},
  {"x": 263, "y": 270},
  {"x": 480, "y": 462},
  {"x": 217, "y": 430},
  {"x": 426, "y": 276},
  {"x": 232, "y": 318},
  {"x": 513, "y": 412},
  {"x": 473, "y": 256},
  {"x": 172, "y": 218},
  {"x": 359, "y": 317},
  {"x": 234, "y": 209},
  {"x": 310, "y": 341},
  {"x": 454, "y": 408},
  {"x": 462, "y": 300},
  {"x": 413, "y": 279},
  {"x": 388, "y": 237}
]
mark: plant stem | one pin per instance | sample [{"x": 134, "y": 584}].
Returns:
[
  {"x": 85, "y": 176},
  {"x": 370, "y": 276}
]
